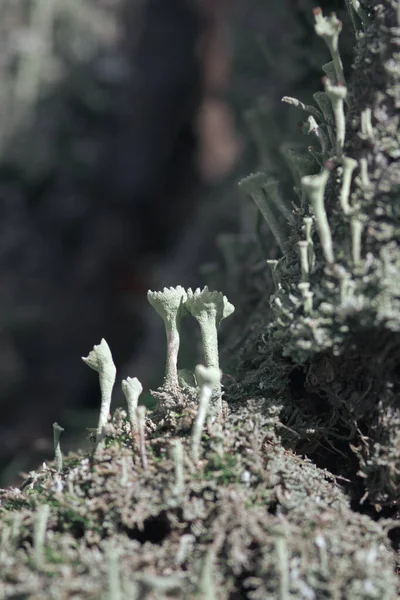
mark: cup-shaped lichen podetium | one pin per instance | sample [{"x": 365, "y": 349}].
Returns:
[
  {"x": 170, "y": 305},
  {"x": 100, "y": 360},
  {"x": 209, "y": 308}
]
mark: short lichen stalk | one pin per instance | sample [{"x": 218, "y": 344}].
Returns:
[
  {"x": 207, "y": 378},
  {"x": 57, "y": 431},
  {"x": 367, "y": 131},
  {"x": 308, "y": 224},
  {"x": 356, "y": 233},
  {"x": 169, "y": 304},
  {"x": 304, "y": 264},
  {"x": 39, "y": 534},
  {"x": 141, "y": 419},
  {"x": 177, "y": 457},
  {"x": 209, "y": 308},
  {"x": 307, "y": 295},
  {"x": 364, "y": 179},
  {"x": 132, "y": 388},
  {"x": 348, "y": 165},
  {"x": 100, "y": 360},
  {"x": 314, "y": 186}
]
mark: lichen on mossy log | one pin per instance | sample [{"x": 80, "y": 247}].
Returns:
[{"x": 275, "y": 525}]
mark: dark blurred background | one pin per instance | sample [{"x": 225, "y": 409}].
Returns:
[{"x": 124, "y": 127}]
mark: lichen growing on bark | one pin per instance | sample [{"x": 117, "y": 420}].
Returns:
[{"x": 339, "y": 329}]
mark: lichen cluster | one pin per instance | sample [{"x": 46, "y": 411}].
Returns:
[
  {"x": 336, "y": 297},
  {"x": 215, "y": 500},
  {"x": 249, "y": 520}
]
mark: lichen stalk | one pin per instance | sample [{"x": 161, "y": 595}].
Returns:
[
  {"x": 349, "y": 164},
  {"x": 114, "y": 576},
  {"x": 57, "y": 431},
  {"x": 305, "y": 267},
  {"x": 314, "y": 186},
  {"x": 209, "y": 308},
  {"x": 207, "y": 378},
  {"x": 39, "y": 534},
  {"x": 307, "y": 295},
  {"x": 356, "y": 233},
  {"x": 272, "y": 265},
  {"x": 132, "y": 388},
  {"x": 177, "y": 457},
  {"x": 282, "y": 565},
  {"x": 100, "y": 360},
  {"x": 367, "y": 131},
  {"x": 337, "y": 94},
  {"x": 141, "y": 416},
  {"x": 308, "y": 222},
  {"x": 206, "y": 587},
  {"x": 169, "y": 304},
  {"x": 364, "y": 177},
  {"x": 329, "y": 28}
]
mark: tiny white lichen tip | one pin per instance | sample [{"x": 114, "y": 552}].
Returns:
[{"x": 132, "y": 385}]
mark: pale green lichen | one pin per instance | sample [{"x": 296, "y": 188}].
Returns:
[
  {"x": 132, "y": 388},
  {"x": 337, "y": 94},
  {"x": 39, "y": 534},
  {"x": 329, "y": 28},
  {"x": 303, "y": 247},
  {"x": 140, "y": 418},
  {"x": 57, "y": 431},
  {"x": 169, "y": 304},
  {"x": 100, "y": 360},
  {"x": 251, "y": 510},
  {"x": 208, "y": 379},
  {"x": 209, "y": 308},
  {"x": 356, "y": 232},
  {"x": 348, "y": 166},
  {"x": 314, "y": 186},
  {"x": 177, "y": 454}
]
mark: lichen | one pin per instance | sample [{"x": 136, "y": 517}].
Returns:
[
  {"x": 250, "y": 516},
  {"x": 268, "y": 516}
]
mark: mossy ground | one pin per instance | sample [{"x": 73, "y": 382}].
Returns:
[{"x": 252, "y": 520}]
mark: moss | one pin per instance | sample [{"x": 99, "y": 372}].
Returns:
[{"x": 250, "y": 500}]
